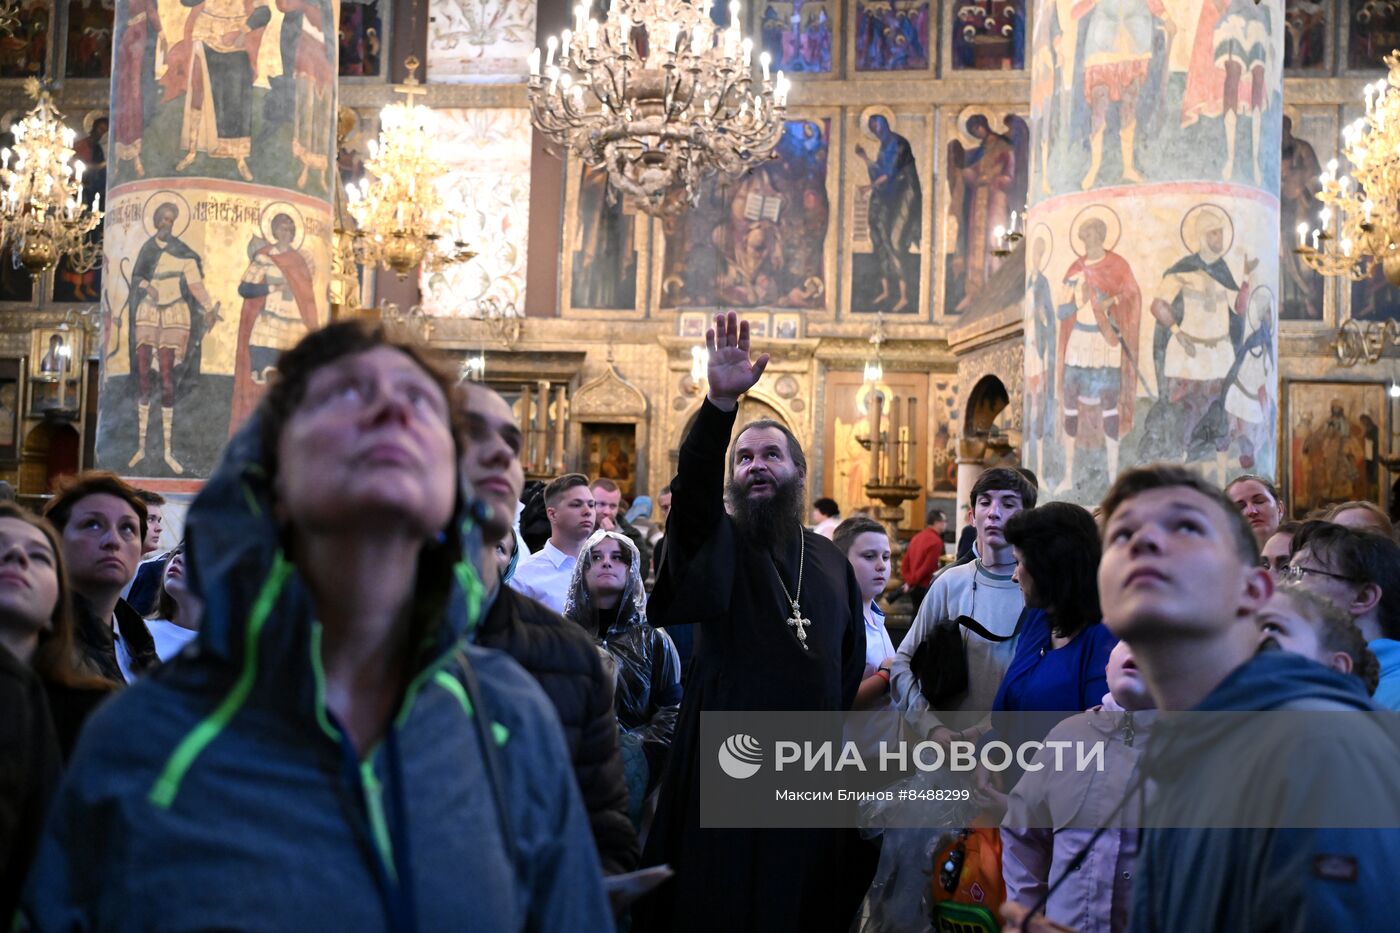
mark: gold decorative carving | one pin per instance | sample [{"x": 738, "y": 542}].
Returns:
[{"x": 609, "y": 398}]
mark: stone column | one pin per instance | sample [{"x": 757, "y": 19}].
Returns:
[
  {"x": 1152, "y": 240},
  {"x": 220, "y": 215}
]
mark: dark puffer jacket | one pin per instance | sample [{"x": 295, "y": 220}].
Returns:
[{"x": 563, "y": 658}]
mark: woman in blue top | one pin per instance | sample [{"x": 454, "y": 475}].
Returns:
[{"x": 1063, "y": 652}]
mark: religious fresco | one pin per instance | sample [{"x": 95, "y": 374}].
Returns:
[
  {"x": 762, "y": 240},
  {"x": 848, "y": 413},
  {"x": 89, "y": 52},
  {"x": 1337, "y": 432},
  {"x": 604, "y": 245},
  {"x": 1375, "y": 299},
  {"x": 1373, "y": 32},
  {"x": 988, "y": 36},
  {"x": 1139, "y": 348},
  {"x": 217, "y": 242},
  {"x": 488, "y": 158},
  {"x": 24, "y": 52},
  {"x": 799, "y": 35},
  {"x": 887, "y": 173},
  {"x": 1305, "y": 36},
  {"x": 987, "y": 170},
  {"x": 1304, "y": 294},
  {"x": 362, "y": 38},
  {"x": 255, "y": 104},
  {"x": 893, "y": 35},
  {"x": 479, "y": 40},
  {"x": 69, "y": 284}
]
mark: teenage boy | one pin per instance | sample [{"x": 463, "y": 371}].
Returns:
[
  {"x": 544, "y": 576},
  {"x": 1180, "y": 582}
]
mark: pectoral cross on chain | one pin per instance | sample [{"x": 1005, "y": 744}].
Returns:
[{"x": 799, "y": 625}]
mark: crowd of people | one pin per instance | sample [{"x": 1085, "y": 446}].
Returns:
[{"x": 383, "y": 683}]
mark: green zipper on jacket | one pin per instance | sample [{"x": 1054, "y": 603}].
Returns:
[
  {"x": 167, "y": 785},
  {"x": 378, "y": 824}
]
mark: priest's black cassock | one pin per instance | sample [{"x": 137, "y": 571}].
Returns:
[{"x": 746, "y": 658}]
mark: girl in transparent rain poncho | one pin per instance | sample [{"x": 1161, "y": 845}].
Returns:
[{"x": 607, "y": 598}]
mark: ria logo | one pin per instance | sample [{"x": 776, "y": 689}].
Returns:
[{"x": 740, "y": 756}]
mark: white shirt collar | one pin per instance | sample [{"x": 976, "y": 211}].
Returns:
[{"x": 557, "y": 558}]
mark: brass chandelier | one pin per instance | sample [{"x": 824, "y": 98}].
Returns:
[
  {"x": 659, "y": 96},
  {"x": 42, "y": 213},
  {"x": 401, "y": 216}
]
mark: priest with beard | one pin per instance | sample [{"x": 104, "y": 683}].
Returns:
[{"x": 780, "y": 627}]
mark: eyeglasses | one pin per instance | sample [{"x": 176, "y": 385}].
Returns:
[
  {"x": 1297, "y": 572},
  {"x": 1278, "y": 566}
]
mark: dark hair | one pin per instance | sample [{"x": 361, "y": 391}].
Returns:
[
  {"x": 1336, "y": 631},
  {"x": 150, "y": 498},
  {"x": 604, "y": 484},
  {"x": 320, "y": 348},
  {"x": 56, "y": 658},
  {"x": 1060, "y": 549},
  {"x": 1133, "y": 483},
  {"x": 1030, "y": 476},
  {"x": 1361, "y": 555},
  {"x": 74, "y": 489},
  {"x": 933, "y": 516},
  {"x": 560, "y": 485},
  {"x": 1003, "y": 478},
  {"x": 1383, "y": 522},
  {"x": 166, "y": 607},
  {"x": 1268, "y": 486},
  {"x": 827, "y": 507},
  {"x": 799, "y": 459},
  {"x": 664, "y": 490},
  {"x": 1289, "y": 528},
  {"x": 846, "y": 533}
]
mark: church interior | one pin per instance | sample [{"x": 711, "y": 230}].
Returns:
[{"x": 954, "y": 194}]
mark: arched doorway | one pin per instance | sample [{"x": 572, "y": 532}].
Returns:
[
  {"x": 50, "y": 451},
  {"x": 987, "y": 400}
]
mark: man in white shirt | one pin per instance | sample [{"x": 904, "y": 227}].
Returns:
[{"x": 544, "y": 576}]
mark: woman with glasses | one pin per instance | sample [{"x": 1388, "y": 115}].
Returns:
[{"x": 1359, "y": 573}]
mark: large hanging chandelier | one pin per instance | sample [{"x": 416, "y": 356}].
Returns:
[
  {"x": 42, "y": 212},
  {"x": 659, "y": 96},
  {"x": 1364, "y": 204},
  {"x": 401, "y": 216}
]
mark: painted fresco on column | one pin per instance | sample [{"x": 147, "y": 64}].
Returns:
[
  {"x": 799, "y": 34},
  {"x": 488, "y": 158},
  {"x": 89, "y": 39},
  {"x": 217, "y": 244},
  {"x": 1305, "y": 38},
  {"x": 1303, "y": 292},
  {"x": 1152, "y": 288},
  {"x": 1373, "y": 32},
  {"x": 887, "y": 160},
  {"x": 988, "y": 169},
  {"x": 472, "y": 41},
  {"x": 24, "y": 52},
  {"x": 893, "y": 35},
  {"x": 988, "y": 36},
  {"x": 762, "y": 240},
  {"x": 362, "y": 38}
]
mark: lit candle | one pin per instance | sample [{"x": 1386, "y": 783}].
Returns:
[
  {"x": 1014, "y": 219},
  {"x": 764, "y": 60},
  {"x": 535, "y": 63},
  {"x": 780, "y": 91},
  {"x": 1370, "y": 92},
  {"x": 1303, "y": 234},
  {"x": 97, "y": 203},
  {"x": 1346, "y": 248},
  {"x": 592, "y": 34},
  {"x": 748, "y": 53},
  {"x": 1317, "y": 239},
  {"x": 551, "y": 46},
  {"x": 1367, "y": 206},
  {"x": 998, "y": 234},
  {"x": 580, "y": 17},
  {"x": 624, "y": 27}
]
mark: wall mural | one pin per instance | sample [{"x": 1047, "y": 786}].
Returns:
[
  {"x": 89, "y": 39},
  {"x": 893, "y": 35},
  {"x": 886, "y": 176},
  {"x": 799, "y": 35},
  {"x": 1373, "y": 31},
  {"x": 1303, "y": 292},
  {"x": 988, "y": 169},
  {"x": 24, "y": 52},
  {"x": 761, "y": 240},
  {"x": 1337, "y": 432},
  {"x": 1305, "y": 38},
  {"x": 1151, "y": 316},
  {"x": 488, "y": 154},
  {"x": 603, "y": 244},
  {"x": 218, "y": 222},
  {"x": 479, "y": 40},
  {"x": 362, "y": 38},
  {"x": 988, "y": 36}
]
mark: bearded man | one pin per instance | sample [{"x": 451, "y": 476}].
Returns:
[{"x": 781, "y": 628}]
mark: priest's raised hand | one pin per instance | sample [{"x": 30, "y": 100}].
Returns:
[{"x": 731, "y": 373}]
